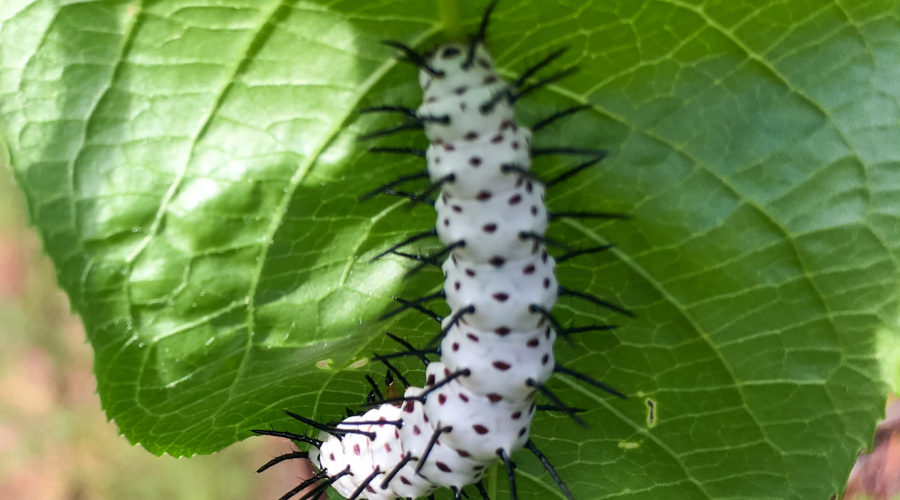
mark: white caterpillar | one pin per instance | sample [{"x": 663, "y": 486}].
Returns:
[
  {"x": 500, "y": 283},
  {"x": 501, "y": 347}
]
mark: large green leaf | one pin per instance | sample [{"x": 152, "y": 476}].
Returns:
[{"x": 193, "y": 170}]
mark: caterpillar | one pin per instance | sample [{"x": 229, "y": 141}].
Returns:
[{"x": 496, "y": 345}]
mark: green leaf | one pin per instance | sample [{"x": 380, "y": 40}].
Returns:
[{"x": 193, "y": 170}]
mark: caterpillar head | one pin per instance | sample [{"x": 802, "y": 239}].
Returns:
[{"x": 454, "y": 69}]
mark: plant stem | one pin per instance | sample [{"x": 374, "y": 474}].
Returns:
[
  {"x": 449, "y": 14},
  {"x": 492, "y": 480}
]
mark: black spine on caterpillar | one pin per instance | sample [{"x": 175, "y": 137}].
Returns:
[{"x": 496, "y": 346}]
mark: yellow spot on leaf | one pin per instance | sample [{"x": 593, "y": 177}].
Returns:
[
  {"x": 629, "y": 445},
  {"x": 359, "y": 363}
]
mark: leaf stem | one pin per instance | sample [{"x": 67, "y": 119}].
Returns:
[
  {"x": 492, "y": 480},
  {"x": 449, "y": 14}
]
